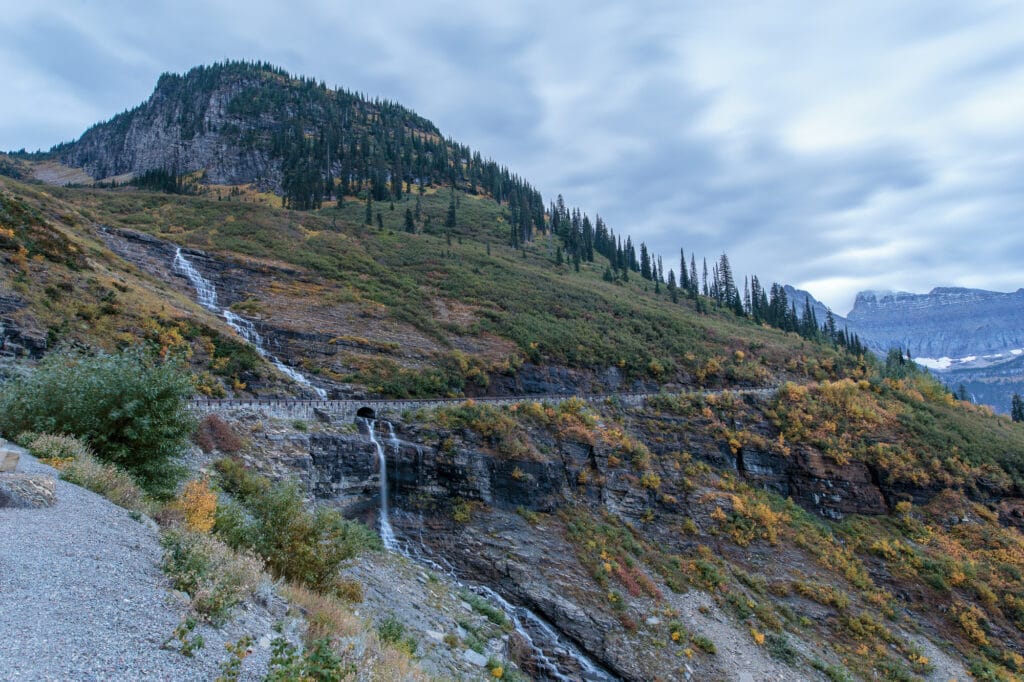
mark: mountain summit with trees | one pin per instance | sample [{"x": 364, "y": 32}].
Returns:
[{"x": 249, "y": 122}]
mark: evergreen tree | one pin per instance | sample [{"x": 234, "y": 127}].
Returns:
[
  {"x": 449, "y": 220},
  {"x": 558, "y": 255},
  {"x": 693, "y": 276},
  {"x": 673, "y": 294},
  {"x": 645, "y": 262},
  {"x": 410, "y": 225},
  {"x": 369, "y": 210},
  {"x": 380, "y": 220},
  {"x": 1017, "y": 408}
]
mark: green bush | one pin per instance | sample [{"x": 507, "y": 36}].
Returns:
[
  {"x": 392, "y": 631},
  {"x": 302, "y": 546},
  {"x": 129, "y": 408},
  {"x": 317, "y": 663},
  {"x": 213, "y": 574}
]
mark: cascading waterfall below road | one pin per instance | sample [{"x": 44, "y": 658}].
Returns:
[
  {"x": 533, "y": 629},
  {"x": 206, "y": 294},
  {"x": 387, "y": 534},
  {"x": 550, "y": 650}
]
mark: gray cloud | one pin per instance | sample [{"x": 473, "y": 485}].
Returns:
[{"x": 831, "y": 147}]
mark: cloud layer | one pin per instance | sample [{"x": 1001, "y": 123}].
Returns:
[{"x": 834, "y": 147}]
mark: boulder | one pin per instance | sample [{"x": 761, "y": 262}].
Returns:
[
  {"x": 26, "y": 491},
  {"x": 8, "y": 459},
  {"x": 474, "y": 658}
]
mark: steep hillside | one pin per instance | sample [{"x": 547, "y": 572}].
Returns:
[
  {"x": 843, "y": 530},
  {"x": 377, "y": 309}
]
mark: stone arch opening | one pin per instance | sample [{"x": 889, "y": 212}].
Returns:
[{"x": 366, "y": 413}]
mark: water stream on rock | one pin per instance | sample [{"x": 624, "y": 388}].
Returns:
[
  {"x": 206, "y": 294},
  {"x": 534, "y": 629},
  {"x": 387, "y": 534},
  {"x": 555, "y": 658}
]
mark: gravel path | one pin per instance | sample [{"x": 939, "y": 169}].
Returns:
[{"x": 82, "y": 597}]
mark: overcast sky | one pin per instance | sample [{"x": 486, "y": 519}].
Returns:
[{"x": 833, "y": 146}]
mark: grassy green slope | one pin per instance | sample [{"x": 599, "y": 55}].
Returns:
[{"x": 552, "y": 314}]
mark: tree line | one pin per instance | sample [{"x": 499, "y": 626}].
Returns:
[{"x": 716, "y": 288}]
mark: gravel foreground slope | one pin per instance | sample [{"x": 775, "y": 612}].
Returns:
[{"x": 82, "y": 597}]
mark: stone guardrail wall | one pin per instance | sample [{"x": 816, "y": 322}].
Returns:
[{"x": 346, "y": 410}]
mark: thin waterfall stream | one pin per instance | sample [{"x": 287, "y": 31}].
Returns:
[
  {"x": 387, "y": 534},
  {"x": 548, "y": 647},
  {"x": 206, "y": 294}
]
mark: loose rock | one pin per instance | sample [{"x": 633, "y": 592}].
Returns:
[{"x": 26, "y": 491}]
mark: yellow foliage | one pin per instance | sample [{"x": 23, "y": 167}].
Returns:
[
  {"x": 758, "y": 636},
  {"x": 650, "y": 480},
  {"x": 970, "y": 618},
  {"x": 198, "y": 503}
]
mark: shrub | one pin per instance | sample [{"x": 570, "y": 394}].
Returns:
[
  {"x": 214, "y": 576},
  {"x": 317, "y": 663},
  {"x": 484, "y": 607},
  {"x": 107, "y": 480},
  {"x": 130, "y": 408},
  {"x": 302, "y": 546},
  {"x": 57, "y": 451},
  {"x": 198, "y": 503},
  {"x": 239, "y": 481},
  {"x": 216, "y": 434},
  {"x": 327, "y": 617},
  {"x": 779, "y": 648}
]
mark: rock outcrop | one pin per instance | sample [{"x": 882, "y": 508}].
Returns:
[
  {"x": 26, "y": 491},
  {"x": 16, "y": 338},
  {"x": 8, "y": 458},
  {"x": 230, "y": 121}
]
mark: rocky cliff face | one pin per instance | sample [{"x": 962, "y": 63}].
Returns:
[
  {"x": 153, "y": 136},
  {"x": 250, "y": 123},
  {"x": 946, "y": 322},
  {"x": 18, "y": 339}
]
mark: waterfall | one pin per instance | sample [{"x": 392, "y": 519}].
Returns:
[
  {"x": 206, "y": 294},
  {"x": 550, "y": 650},
  {"x": 387, "y": 534},
  {"x": 535, "y": 628}
]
